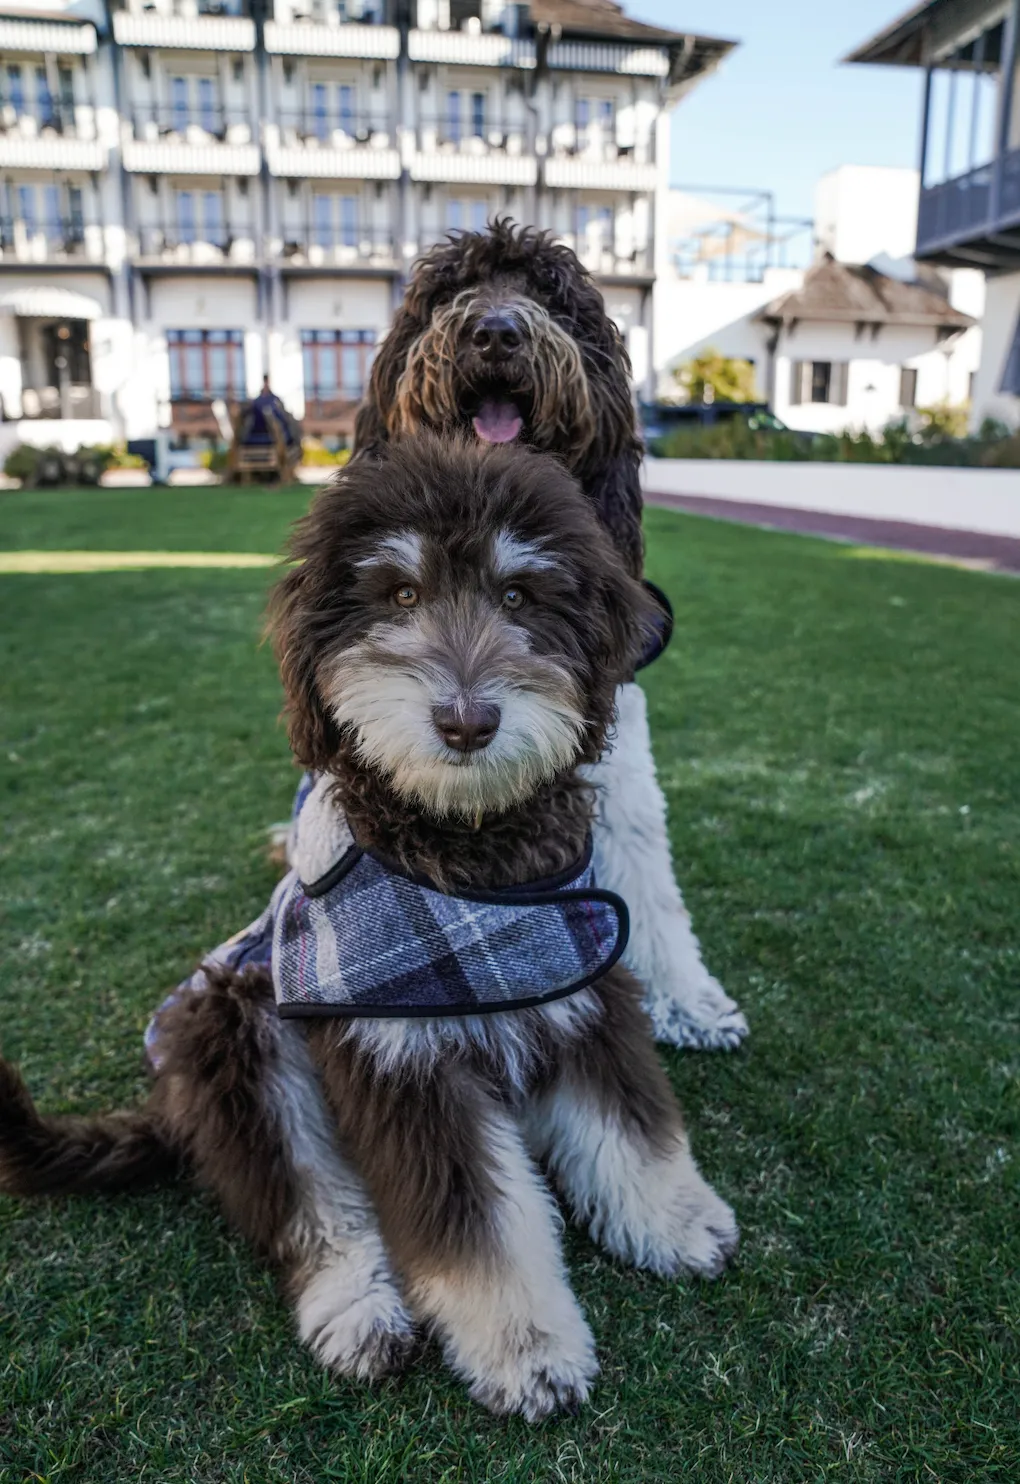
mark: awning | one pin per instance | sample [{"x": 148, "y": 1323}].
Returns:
[{"x": 42, "y": 301}]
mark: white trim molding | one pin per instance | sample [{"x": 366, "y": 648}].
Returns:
[
  {"x": 492, "y": 169},
  {"x": 342, "y": 164},
  {"x": 191, "y": 159},
  {"x": 206, "y": 33},
  {"x": 472, "y": 51},
  {"x": 380, "y": 43},
  {"x": 600, "y": 56},
  {"x": 51, "y": 154},
  {"x": 64, "y": 38},
  {"x": 597, "y": 175}
]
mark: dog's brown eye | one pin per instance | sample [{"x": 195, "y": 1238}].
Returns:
[
  {"x": 513, "y": 597},
  {"x": 406, "y": 596}
]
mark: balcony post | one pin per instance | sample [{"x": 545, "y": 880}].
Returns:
[
  {"x": 925, "y": 122},
  {"x": 1005, "y": 111}
]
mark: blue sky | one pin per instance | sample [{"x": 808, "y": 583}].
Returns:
[{"x": 781, "y": 111}]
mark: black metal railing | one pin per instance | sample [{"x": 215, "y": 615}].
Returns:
[
  {"x": 337, "y": 244},
  {"x": 32, "y": 241},
  {"x": 197, "y": 241},
  {"x": 74, "y": 400},
  {"x": 325, "y": 124},
  {"x": 599, "y": 142},
  {"x": 34, "y": 119},
  {"x": 955, "y": 208},
  {"x": 1009, "y": 190},
  {"x": 211, "y": 119},
  {"x": 446, "y": 131}
]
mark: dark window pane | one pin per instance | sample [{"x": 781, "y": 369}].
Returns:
[{"x": 821, "y": 378}]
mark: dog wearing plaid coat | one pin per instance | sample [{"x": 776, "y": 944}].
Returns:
[{"x": 450, "y": 639}]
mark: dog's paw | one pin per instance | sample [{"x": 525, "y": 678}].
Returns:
[
  {"x": 702, "y": 1019},
  {"x": 706, "y": 1234},
  {"x": 538, "y": 1373},
  {"x": 361, "y": 1330}
]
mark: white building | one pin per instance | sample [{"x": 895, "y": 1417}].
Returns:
[
  {"x": 195, "y": 192},
  {"x": 969, "y": 213},
  {"x": 861, "y": 337}
]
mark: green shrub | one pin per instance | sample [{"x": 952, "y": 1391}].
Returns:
[
  {"x": 994, "y": 446},
  {"x": 22, "y": 463},
  {"x": 315, "y": 453},
  {"x": 711, "y": 377}
]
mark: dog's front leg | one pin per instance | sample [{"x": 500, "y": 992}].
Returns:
[
  {"x": 612, "y": 1134},
  {"x": 238, "y": 1090},
  {"x": 472, "y": 1228},
  {"x": 686, "y": 1005}
]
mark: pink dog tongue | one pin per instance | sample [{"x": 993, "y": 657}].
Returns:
[{"x": 498, "y": 422}]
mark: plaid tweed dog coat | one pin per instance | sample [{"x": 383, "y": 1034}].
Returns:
[{"x": 347, "y": 933}]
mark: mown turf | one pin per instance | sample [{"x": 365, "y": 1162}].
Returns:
[{"x": 837, "y": 738}]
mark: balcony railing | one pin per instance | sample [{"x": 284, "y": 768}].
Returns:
[
  {"x": 452, "y": 135},
  {"x": 77, "y": 401},
  {"x": 344, "y": 247},
  {"x": 192, "y": 125},
  {"x": 60, "y": 241},
  {"x": 335, "y": 128},
  {"x": 602, "y": 258},
  {"x": 600, "y": 143},
  {"x": 67, "y": 121},
  {"x": 967, "y": 209},
  {"x": 196, "y": 245}
]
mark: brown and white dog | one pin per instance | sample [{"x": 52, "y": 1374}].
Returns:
[
  {"x": 450, "y": 639},
  {"x": 504, "y": 336}
]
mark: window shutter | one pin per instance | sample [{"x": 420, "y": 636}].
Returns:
[
  {"x": 796, "y": 383},
  {"x": 908, "y": 387},
  {"x": 1011, "y": 371},
  {"x": 839, "y": 384}
]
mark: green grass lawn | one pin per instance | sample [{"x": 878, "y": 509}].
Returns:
[{"x": 837, "y": 737}]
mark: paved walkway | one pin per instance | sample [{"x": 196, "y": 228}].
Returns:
[{"x": 966, "y": 548}]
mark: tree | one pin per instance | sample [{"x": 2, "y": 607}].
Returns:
[{"x": 711, "y": 377}]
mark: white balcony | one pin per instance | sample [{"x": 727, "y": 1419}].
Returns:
[
  {"x": 50, "y": 152},
  {"x": 600, "y": 56},
  {"x": 598, "y": 175},
  {"x": 485, "y": 50},
  {"x": 495, "y": 167},
  {"x": 206, "y": 33},
  {"x": 360, "y": 162},
  {"x": 212, "y": 158},
  {"x": 65, "y": 39},
  {"x": 377, "y": 43}
]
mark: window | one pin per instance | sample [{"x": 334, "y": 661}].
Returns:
[
  {"x": 26, "y": 209},
  {"x": 345, "y": 93},
  {"x": 336, "y": 363},
  {"x": 51, "y": 211},
  {"x": 593, "y": 226},
  {"x": 320, "y": 110},
  {"x": 335, "y": 221},
  {"x": 15, "y": 89},
  {"x": 75, "y": 231},
  {"x": 478, "y": 115},
  {"x": 908, "y": 386},
  {"x": 205, "y": 364},
  {"x": 207, "y": 105},
  {"x": 179, "y": 102},
  {"x": 43, "y": 97},
  {"x": 1010, "y": 382},
  {"x": 454, "y": 216},
  {"x": 582, "y": 113},
  {"x": 186, "y": 215},
  {"x": 66, "y": 80},
  {"x": 453, "y": 117},
  {"x": 819, "y": 381},
  {"x": 605, "y": 114},
  {"x": 468, "y": 216},
  {"x": 212, "y": 217}
]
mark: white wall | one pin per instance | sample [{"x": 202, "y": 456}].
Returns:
[
  {"x": 862, "y": 210},
  {"x": 985, "y": 500},
  {"x": 322, "y": 303},
  {"x": 692, "y": 314},
  {"x": 1001, "y": 314}
]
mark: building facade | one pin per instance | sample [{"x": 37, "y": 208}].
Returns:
[
  {"x": 861, "y": 337},
  {"x": 969, "y": 216},
  {"x": 194, "y": 193}
]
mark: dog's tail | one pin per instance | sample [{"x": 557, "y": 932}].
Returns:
[{"x": 76, "y": 1156}]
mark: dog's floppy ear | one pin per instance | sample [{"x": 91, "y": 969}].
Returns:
[
  {"x": 314, "y": 737},
  {"x": 370, "y": 422},
  {"x": 633, "y": 620}
]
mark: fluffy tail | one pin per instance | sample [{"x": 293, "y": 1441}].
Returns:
[{"x": 75, "y": 1156}]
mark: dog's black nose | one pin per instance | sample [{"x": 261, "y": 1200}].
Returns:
[
  {"x": 467, "y": 728},
  {"x": 496, "y": 336}
]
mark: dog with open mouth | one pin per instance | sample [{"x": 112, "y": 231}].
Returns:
[
  {"x": 433, "y": 1006},
  {"x": 504, "y": 336}
]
